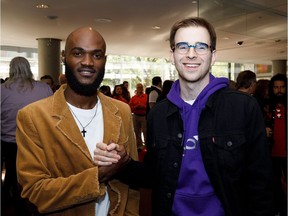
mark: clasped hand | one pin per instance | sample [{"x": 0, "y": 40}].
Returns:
[
  {"x": 110, "y": 159},
  {"x": 107, "y": 154}
]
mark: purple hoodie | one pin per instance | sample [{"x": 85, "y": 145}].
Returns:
[{"x": 194, "y": 194}]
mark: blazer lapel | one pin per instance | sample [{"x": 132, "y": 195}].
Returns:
[
  {"x": 112, "y": 121},
  {"x": 66, "y": 123}
]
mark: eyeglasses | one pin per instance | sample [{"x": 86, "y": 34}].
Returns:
[{"x": 199, "y": 48}]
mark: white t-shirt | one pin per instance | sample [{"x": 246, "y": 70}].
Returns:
[
  {"x": 94, "y": 134},
  {"x": 191, "y": 102}
]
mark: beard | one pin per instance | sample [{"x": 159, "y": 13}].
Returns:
[
  {"x": 83, "y": 89},
  {"x": 280, "y": 98}
]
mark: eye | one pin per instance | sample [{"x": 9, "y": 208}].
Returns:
[
  {"x": 77, "y": 53},
  {"x": 201, "y": 46},
  {"x": 182, "y": 46},
  {"x": 98, "y": 55}
]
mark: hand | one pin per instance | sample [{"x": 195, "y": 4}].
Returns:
[
  {"x": 106, "y": 154},
  {"x": 269, "y": 132},
  {"x": 113, "y": 155}
]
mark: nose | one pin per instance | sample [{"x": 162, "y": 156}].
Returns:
[
  {"x": 87, "y": 60},
  {"x": 191, "y": 52}
]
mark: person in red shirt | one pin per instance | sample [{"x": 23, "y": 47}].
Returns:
[
  {"x": 138, "y": 107},
  {"x": 278, "y": 113}
]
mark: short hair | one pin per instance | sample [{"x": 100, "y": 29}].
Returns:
[
  {"x": 245, "y": 79},
  {"x": 193, "y": 21},
  {"x": 156, "y": 80},
  {"x": 47, "y": 77},
  {"x": 139, "y": 85}
]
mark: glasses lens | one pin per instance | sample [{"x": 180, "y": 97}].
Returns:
[
  {"x": 182, "y": 47},
  {"x": 201, "y": 48}
]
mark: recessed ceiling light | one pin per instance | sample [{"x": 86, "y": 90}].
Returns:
[
  {"x": 156, "y": 27},
  {"x": 42, "y": 6},
  {"x": 194, "y": 2},
  {"x": 103, "y": 20}
]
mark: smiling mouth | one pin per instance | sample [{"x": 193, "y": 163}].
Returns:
[
  {"x": 86, "y": 71},
  {"x": 191, "y": 65}
]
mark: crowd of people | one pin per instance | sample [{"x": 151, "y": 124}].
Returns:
[{"x": 212, "y": 146}]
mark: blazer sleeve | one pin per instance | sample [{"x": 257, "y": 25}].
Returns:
[{"x": 39, "y": 185}]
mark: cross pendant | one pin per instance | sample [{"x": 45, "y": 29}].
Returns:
[{"x": 83, "y": 132}]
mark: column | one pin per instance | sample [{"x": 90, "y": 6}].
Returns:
[
  {"x": 49, "y": 57},
  {"x": 279, "y": 66}
]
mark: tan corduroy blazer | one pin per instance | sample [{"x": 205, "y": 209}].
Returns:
[{"x": 54, "y": 166}]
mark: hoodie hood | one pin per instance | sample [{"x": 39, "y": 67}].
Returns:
[{"x": 214, "y": 85}]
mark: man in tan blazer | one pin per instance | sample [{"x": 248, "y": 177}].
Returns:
[{"x": 56, "y": 138}]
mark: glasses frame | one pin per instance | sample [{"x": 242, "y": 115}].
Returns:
[{"x": 189, "y": 46}]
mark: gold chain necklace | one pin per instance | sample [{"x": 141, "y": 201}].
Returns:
[{"x": 83, "y": 127}]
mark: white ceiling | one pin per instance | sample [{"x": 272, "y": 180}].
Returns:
[{"x": 261, "y": 24}]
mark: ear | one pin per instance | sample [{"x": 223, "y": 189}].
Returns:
[
  {"x": 63, "y": 56},
  {"x": 172, "y": 57},
  {"x": 213, "y": 57}
]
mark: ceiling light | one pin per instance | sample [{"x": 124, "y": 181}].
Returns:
[
  {"x": 156, "y": 27},
  {"x": 42, "y": 6},
  {"x": 226, "y": 38},
  {"x": 103, "y": 20},
  {"x": 194, "y": 2}
]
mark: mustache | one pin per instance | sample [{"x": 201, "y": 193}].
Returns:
[{"x": 89, "y": 69}]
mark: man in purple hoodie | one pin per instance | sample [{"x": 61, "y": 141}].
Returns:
[{"x": 206, "y": 148}]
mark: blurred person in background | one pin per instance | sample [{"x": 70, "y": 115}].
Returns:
[
  {"x": 48, "y": 80},
  {"x": 246, "y": 82},
  {"x": 126, "y": 93},
  {"x": 118, "y": 93},
  {"x": 18, "y": 91},
  {"x": 153, "y": 93},
  {"x": 278, "y": 124},
  {"x": 105, "y": 89},
  {"x": 138, "y": 108},
  {"x": 262, "y": 93},
  {"x": 262, "y": 96},
  {"x": 167, "y": 84},
  {"x": 62, "y": 80}
]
